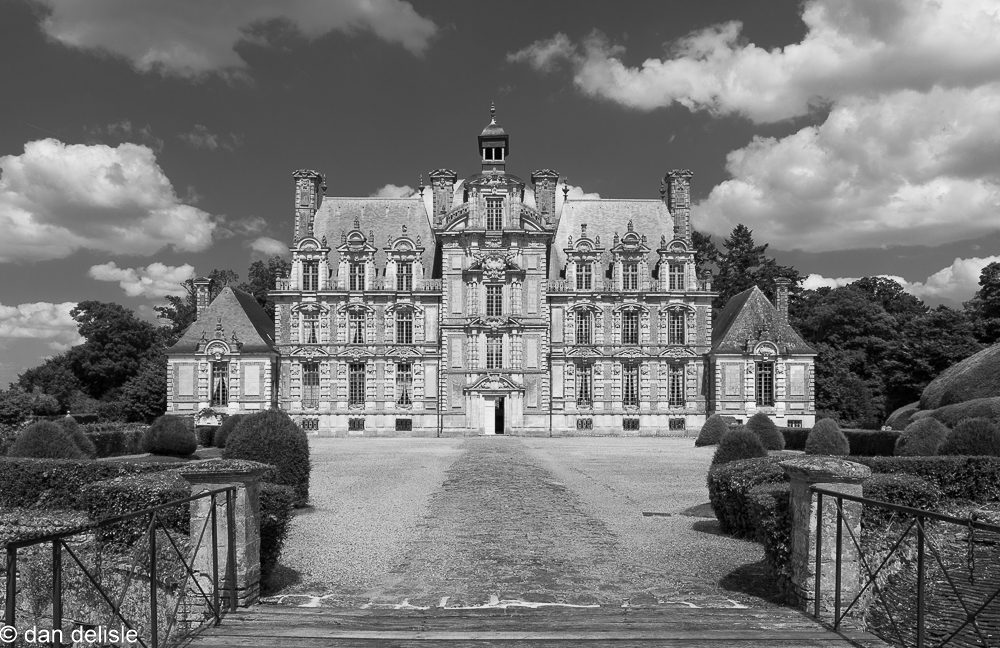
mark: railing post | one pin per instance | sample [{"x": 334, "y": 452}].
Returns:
[
  {"x": 153, "y": 615},
  {"x": 921, "y": 583},
  {"x": 57, "y": 611},
  {"x": 10, "y": 603},
  {"x": 816, "y": 528},
  {"x": 235, "y": 545},
  {"x": 215, "y": 562}
]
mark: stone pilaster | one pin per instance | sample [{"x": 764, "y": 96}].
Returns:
[{"x": 837, "y": 475}]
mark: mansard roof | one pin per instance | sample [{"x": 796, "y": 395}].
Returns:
[
  {"x": 751, "y": 316},
  {"x": 236, "y": 312},
  {"x": 383, "y": 217},
  {"x": 604, "y": 217}
]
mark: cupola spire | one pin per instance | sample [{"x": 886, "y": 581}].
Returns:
[{"x": 494, "y": 145}]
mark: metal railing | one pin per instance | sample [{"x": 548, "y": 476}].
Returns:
[
  {"x": 916, "y": 595},
  {"x": 142, "y": 550}
]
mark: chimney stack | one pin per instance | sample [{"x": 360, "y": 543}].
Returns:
[
  {"x": 544, "y": 182},
  {"x": 678, "y": 184},
  {"x": 781, "y": 298},
  {"x": 201, "y": 292},
  {"x": 443, "y": 187},
  {"x": 309, "y": 187}
]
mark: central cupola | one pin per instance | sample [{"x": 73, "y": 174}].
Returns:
[{"x": 494, "y": 145}]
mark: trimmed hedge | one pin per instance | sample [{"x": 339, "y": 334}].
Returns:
[
  {"x": 863, "y": 443},
  {"x": 795, "y": 438},
  {"x": 26, "y": 523},
  {"x": 770, "y": 514},
  {"x": 977, "y": 436},
  {"x": 711, "y": 433},
  {"x": 116, "y": 439},
  {"x": 729, "y": 486},
  {"x": 45, "y": 440},
  {"x": 172, "y": 436},
  {"x": 957, "y": 477},
  {"x": 902, "y": 417},
  {"x": 129, "y": 493},
  {"x": 903, "y": 489},
  {"x": 272, "y": 437},
  {"x": 738, "y": 443},
  {"x": 81, "y": 440},
  {"x": 950, "y": 415},
  {"x": 826, "y": 439},
  {"x": 205, "y": 435},
  {"x": 58, "y": 483},
  {"x": 765, "y": 429},
  {"x": 225, "y": 429},
  {"x": 276, "y": 503},
  {"x": 922, "y": 438}
]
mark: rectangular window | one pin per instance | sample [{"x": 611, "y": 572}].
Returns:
[
  {"x": 404, "y": 383},
  {"x": 310, "y": 385},
  {"x": 675, "y": 327},
  {"x": 630, "y": 424},
  {"x": 404, "y": 425},
  {"x": 220, "y": 383},
  {"x": 795, "y": 423},
  {"x": 494, "y": 352},
  {"x": 404, "y": 327},
  {"x": 765, "y": 383},
  {"x": 585, "y": 385},
  {"x": 676, "y": 424},
  {"x": 310, "y": 424},
  {"x": 494, "y": 213},
  {"x": 630, "y": 385},
  {"x": 355, "y": 425},
  {"x": 585, "y": 424},
  {"x": 630, "y": 276},
  {"x": 357, "y": 276},
  {"x": 185, "y": 379},
  {"x": 584, "y": 276},
  {"x": 675, "y": 386},
  {"x": 630, "y": 327},
  {"x": 675, "y": 275},
  {"x": 310, "y": 328},
  {"x": 356, "y": 384},
  {"x": 310, "y": 275},
  {"x": 584, "y": 327},
  {"x": 356, "y": 327},
  {"x": 404, "y": 276},
  {"x": 494, "y": 300}
]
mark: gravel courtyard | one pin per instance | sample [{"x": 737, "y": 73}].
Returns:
[{"x": 475, "y": 521}]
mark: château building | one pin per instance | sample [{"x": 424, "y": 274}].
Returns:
[{"x": 489, "y": 306}]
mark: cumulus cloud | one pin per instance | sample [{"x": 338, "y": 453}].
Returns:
[
  {"x": 188, "y": 38},
  {"x": 40, "y": 321},
  {"x": 394, "y": 191},
  {"x": 57, "y": 198},
  {"x": 905, "y": 150},
  {"x": 957, "y": 282},
  {"x": 267, "y": 246},
  {"x": 154, "y": 281},
  {"x": 200, "y": 137},
  {"x": 125, "y": 131}
]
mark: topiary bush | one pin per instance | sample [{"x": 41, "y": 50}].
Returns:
[
  {"x": 950, "y": 415},
  {"x": 975, "y": 436},
  {"x": 766, "y": 431},
  {"x": 58, "y": 483},
  {"x": 729, "y": 485},
  {"x": 738, "y": 443},
  {"x": 45, "y": 440},
  {"x": 770, "y": 514},
  {"x": 896, "y": 488},
  {"x": 271, "y": 437},
  {"x": 130, "y": 493},
  {"x": 902, "y": 417},
  {"x": 81, "y": 440},
  {"x": 826, "y": 439},
  {"x": 172, "y": 436},
  {"x": 922, "y": 438},
  {"x": 276, "y": 504},
  {"x": 958, "y": 477},
  {"x": 116, "y": 439},
  {"x": 225, "y": 429},
  {"x": 872, "y": 443},
  {"x": 711, "y": 433},
  {"x": 205, "y": 435}
]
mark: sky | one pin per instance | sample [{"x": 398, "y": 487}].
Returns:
[{"x": 144, "y": 142}]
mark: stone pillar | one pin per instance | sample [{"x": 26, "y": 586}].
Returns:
[
  {"x": 211, "y": 475},
  {"x": 844, "y": 477}
]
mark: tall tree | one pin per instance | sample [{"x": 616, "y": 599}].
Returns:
[
  {"x": 984, "y": 308},
  {"x": 706, "y": 254},
  {"x": 181, "y": 311},
  {"x": 54, "y": 377},
  {"x": 744, "y": 264},
  {"x": 261, "y": 278}
]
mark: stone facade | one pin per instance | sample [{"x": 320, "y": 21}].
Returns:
[{"x": 489, "y": 305}]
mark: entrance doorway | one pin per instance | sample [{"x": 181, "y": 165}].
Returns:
[{"x": 498, "y": 424}]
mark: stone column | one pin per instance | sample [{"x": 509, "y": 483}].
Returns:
[
  {"x": 837, "y": 475},
  {"x": 211, "y": 475}
]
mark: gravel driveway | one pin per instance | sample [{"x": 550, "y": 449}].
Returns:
[{"x": 430, "y": 522}]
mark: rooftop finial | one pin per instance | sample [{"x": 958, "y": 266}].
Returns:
[{"x": 493, "y": 113}]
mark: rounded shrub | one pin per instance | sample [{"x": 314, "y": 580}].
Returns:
[
  {"x": 45, "y": 440},
  {"x": 171, "y": 435},
  {"x": 272, "y": 437},
  {"x": 825, "y": 438},
  {"x": 768, "y": 433},
  {"x": 738, "y": 443},
  {"x": 973, "y": 436},
  {"x": 225, "y": 429},
  {"x": 922, "y": 438},
  {"x": 81, "y": 440},
  {"x": 711, "y": 433}
]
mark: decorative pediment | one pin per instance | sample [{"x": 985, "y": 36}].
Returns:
[
  {"x": 403, "y": 352},
  {"x": 630, "y": 352},
  {"x": 766, "y": 350},
  {"x": 631, "y": 244},
  {"x": 494, "y": 266},
  {"x": 584, "y": 352},
  {"x": 678, "y": 352},
  {"x": 309, "y": 352},
  {"x": 357, "y": 352},
  {"x": 311, "y": 244},
  {"x": 494, "y": 323},
  {"x": 356, "y": 242},
  {"x": 495, "y": 383},
  {"x": 309, "y": 308},
  {"x": 585, "y": 248},
  {"x": 217, "y": 349},
  {"x": 631, "y": 306}
]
